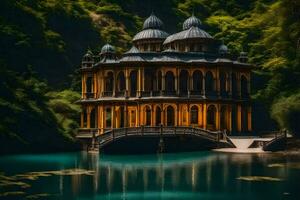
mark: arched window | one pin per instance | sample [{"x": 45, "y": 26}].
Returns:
[
  {"x": 148, "y": 116},
  {"x": 222, "y": 84},
  {"x": 183, "y": 82},
  {"x": 244, "y": 87},
  {"x": 133, "y": 83},
  {"x": 109, "y": 82},
  {"x": 197, "y": 81},
  {"x": 194, "y": 115},
  {"x": 89, "y": 84},
  {"x": 170, "y": 116},
  {"x": 158, "y": 116},
  {"x": 211, "y": 117},
  {"x": 223, "y": 120},
  {"x": 234, "y": 85},
  {"x": 121, "y": 82},
  {"x": 170, "y": 82},
  {"x": 108, "y": 119},
  {"x": 209, "y": 83},
  {"x": 159, "y": 80}
]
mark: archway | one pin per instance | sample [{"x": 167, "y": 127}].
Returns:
[
  {"x": 108, "y": 119},
  {"x": 183, "y": 82},
  {"x": 244, "y": 118},
  {"x": 158, "y": 116},
  {"x": 223, "y": 118},
  {"x": 147, "y": 116},
  {"x": 222, "y": 84},
  {"x": 170, "y": 116},
  {"x": 234, "y": 85},
  {"x": 244, "y": 87},
  {"x": 93, "y": 118},
  {"x": 211, "y": 117},
  {"x": 109, "y": 82},
  {"x": 170, "y": 82},
  {"x": 89, "y": 84},
  {"x": 209, "y": 83},
  {"x": 194, "y": 115},
  {"x": 159, "y": 80},
  {"x": 133, "y": 83},
  {"x": 197, "y": 82},
  {"x": 121, "y": 84}
]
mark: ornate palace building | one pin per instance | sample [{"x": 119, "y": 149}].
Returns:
[{"x": 184, "y": 79}]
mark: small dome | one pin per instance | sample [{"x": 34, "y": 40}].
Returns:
[
  {"x": 223, "y": 49},
  {"x": 190, "y": 22},
  {"x": 88, "y": 54},
  {"x": 108, "y": 49},
  {"x": 153, "y": 22}
]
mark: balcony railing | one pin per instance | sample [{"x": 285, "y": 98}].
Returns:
[
  {"x": 88, "y": 95},
  {"x": 120, "y": 94},
  {"x": 107, "y": 93}
]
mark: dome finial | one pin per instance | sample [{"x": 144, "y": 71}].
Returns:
[{"x": 192, "y": 21}]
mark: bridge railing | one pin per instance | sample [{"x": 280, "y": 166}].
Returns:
[{"x": 112, "y": 134}]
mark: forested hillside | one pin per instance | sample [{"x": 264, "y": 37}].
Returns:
[{"x": 42, "y": 42}]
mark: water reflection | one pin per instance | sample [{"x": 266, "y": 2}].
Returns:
[
  {"x": 190, "y": 174},
  {"x": 208, "y": 175}
]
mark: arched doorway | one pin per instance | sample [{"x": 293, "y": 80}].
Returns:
[
  {"x": 170, "y": 82},
  {"x": 223, "y": 84},
  {"x": 147, "y": 116},
  {"x": 244, "y": 87},
  {"x": 170, "y": 116},
  {"x": 121, "y": 85},
  {"x": 234, "y": 85},
  {"x": 209, "y": 83},
  {"x": 194, "y": 115},
  {"x": 158, "y": 116},
  {"x": 133, "y": 83},
  {"x": 109, "y": 82},
  {"x": 183, "y": 82},
  {"x": 223, "y": 118},
  {"x": 211, "y": 117},
  {"x": 197, "y": 82}
]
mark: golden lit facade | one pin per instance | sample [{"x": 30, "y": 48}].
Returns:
[{"x": 184, "y": 79}]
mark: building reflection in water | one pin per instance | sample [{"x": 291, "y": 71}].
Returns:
[{"x": 191, "y": 172}]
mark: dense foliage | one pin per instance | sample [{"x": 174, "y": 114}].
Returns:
[{"x": 42, "y": 42}]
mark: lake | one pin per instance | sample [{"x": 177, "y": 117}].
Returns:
[{"x": 200, "y": 175}]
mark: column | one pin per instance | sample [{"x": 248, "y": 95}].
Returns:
[
  {"x": 239, "y": 118},
  {"x": 162, "y": 114},
  {"x": 88, "y": 121},
  {"x": 203, "y": 85},
  {"x": 218, "y": 117},
  {"x": 115, "y": 83},
  {"x": 112, "y": 116},
  {"x": 127, "y": 83},
  {"x": 204, "y": 116},
  {"x": 249, "y": 119},
  {"x": 229, "y": 118},
  {"x": 82, "y": 118},
  {"x": 163, "y": 81}
]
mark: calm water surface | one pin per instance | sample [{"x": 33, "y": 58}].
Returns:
[{"x": 202, "y": 175}]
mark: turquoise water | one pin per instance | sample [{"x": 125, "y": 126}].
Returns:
[{"x": 202, "y": 175}]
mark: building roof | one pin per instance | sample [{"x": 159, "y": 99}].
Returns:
[
  {"x": 191, "y": 33},
  {"x": 153, "y": 22},
  {"x": 190, "y": 22},
  {"x": 107, "y": 48},
  {"x": 150, "y": 34}
]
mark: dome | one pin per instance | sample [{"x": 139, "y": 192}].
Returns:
[
  {"x": 88, "y": 54},
  {"x": 150, "y": 34},
  {"x": 108, "y": 49},
  {"x": 223, "y": 49},
  {"x": 191, "y": 33},
  {"x": 153, "y": 22},
  {"x": 190, "y": 22}
]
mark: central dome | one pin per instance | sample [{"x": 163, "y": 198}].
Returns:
[
  {"x": 153, "y": 22},
  {"x": 191, "y": 22}
]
